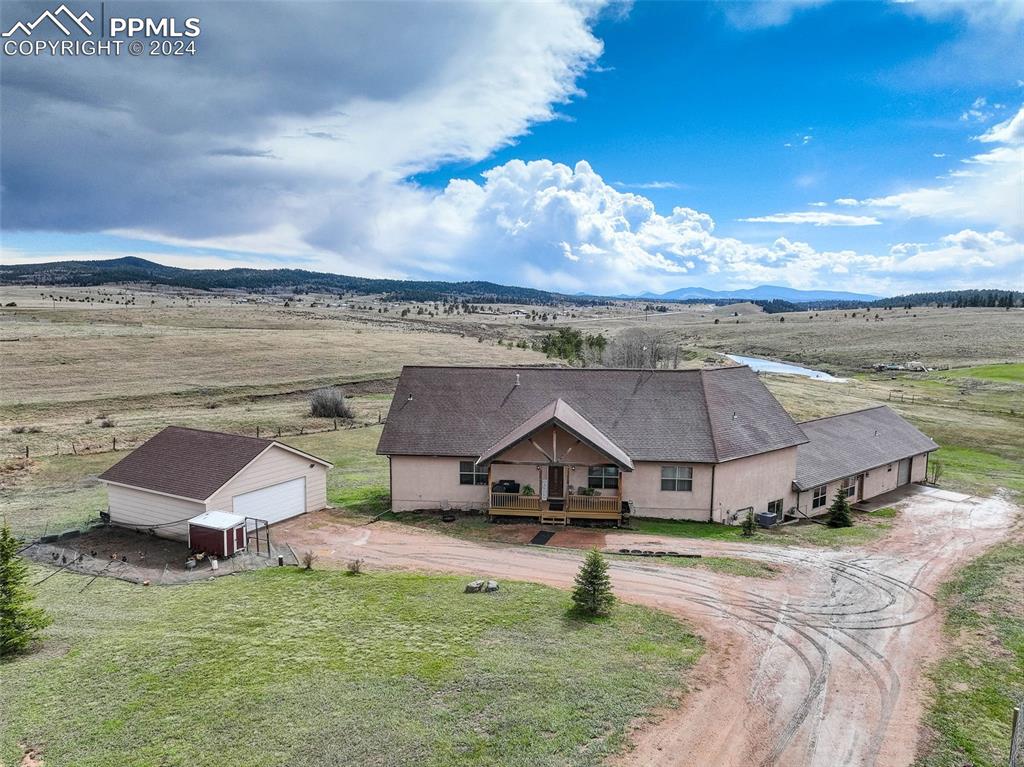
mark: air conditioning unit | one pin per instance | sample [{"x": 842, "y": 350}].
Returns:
[{"x": 767, "y": 519}]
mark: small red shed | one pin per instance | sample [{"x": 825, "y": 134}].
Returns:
[{"x": 217, "y": 532}]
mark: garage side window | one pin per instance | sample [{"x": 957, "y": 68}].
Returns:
[
  {"x": 820, "y": 497},
  {"x": 677, "y": 478},
  {"x": 472, "y": 474},
  {"x": 775, "y": 507}
]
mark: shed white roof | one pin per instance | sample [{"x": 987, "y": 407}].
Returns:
[{"x": 217, "y": 520}]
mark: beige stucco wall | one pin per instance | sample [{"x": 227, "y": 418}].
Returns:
[
  {"x": 643, "y": 487},
  {"x": 879, "y": 480},
  {"x": 274, "y": 466},
  {"x": 138, "y": 508},
  {"x": 919, "y": 468},
  {"x": 754, "y": 481},
  {"x": 429, "y": 482}
]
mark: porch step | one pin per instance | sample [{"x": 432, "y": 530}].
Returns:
[{"x": 553, "y": 520}]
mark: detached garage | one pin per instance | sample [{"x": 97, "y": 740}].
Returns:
[{"x": 182, "y": 473}]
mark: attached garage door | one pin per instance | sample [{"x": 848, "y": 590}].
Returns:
[
  {"x": 274, "y": 503},
  {"x": 904, "y": 475}
]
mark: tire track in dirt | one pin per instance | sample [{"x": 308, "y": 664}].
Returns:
[{"x": 837, "y": 640}]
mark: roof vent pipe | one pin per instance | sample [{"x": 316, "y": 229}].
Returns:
[
  {"x": 734, "y": 415},
  {"x": 410, "y": 397},
  {"x": 517, "y": 379}
]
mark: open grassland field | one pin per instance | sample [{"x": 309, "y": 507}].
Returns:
[
  {"x": 838, "y": 341},
  {"x": 981, "y": 678},
  {"x": 321, "y": 668},
  {"x": 238, "y": 363}
]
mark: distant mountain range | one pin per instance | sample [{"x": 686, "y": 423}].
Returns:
[
  {"x": 760, "y": 293},
  {"x": 139, "y": 270},
  {"x": 772, "y": 298}
]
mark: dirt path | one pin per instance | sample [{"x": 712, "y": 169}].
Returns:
[{"x": 820, "y": 666}]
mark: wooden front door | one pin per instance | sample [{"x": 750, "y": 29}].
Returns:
[{"x": 556, "y": 481}]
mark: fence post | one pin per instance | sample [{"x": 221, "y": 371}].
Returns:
[
  {"x": 257, "y": 431},
  {"x": 335, "y": 424},
  {"x": 26, "y": 451},
  {"x": 1016, "y": 738},
  {"x": 115, "y": 444}
]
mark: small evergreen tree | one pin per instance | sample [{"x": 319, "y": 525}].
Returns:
[
  {"x": 20, "y": 623},
  {"x": 749, "y": 525},
  {"x": 839, "y": 511},
  {"x": 593, "y": 592}
]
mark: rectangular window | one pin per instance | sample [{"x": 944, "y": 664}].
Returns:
[
  {"x": 850, "y": 486},
  {"x": 677, "y": 478},
  {"x": 472, "y": 474},
  {"x": 820, "y": 497},
  {"x": 603, "y": 477},
  {"x": 775, "y": 507}
]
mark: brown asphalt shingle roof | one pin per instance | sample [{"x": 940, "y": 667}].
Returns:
[
  {"x": 844, "y": 445},
  {"x": 190, "y": 463},
  {"x": 698, "y": 416},
  {"x": 559, "y": 413}
]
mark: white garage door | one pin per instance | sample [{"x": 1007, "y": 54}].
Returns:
[{"x": 273, "y": 503}]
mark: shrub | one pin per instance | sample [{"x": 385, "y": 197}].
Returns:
[
  {"x": 108, "y": 423},
  {"x": 329, "y": 402},
  {"x": 19, "y": 429},
  {"x": 749, "y": 525},
  {"x": 308, "y": 558},
  {"x": 935, "y": 469},
  {"x": 839, "y": 511},
  {"x": 355, "y": 567},
  {"x": 593, "y": 595},
  {"x": 20, "y": 623},
  {"x": 527, "y": 490}
]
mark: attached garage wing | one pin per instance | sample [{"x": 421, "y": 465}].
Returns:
[{"x": 275, "y": 503}]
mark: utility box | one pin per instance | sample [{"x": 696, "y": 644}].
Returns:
[
  {"x": 767, "y": 519},
  {"x": 217, "y": 533}
]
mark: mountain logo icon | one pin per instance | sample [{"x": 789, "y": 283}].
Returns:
[{"x": 70, "y": 20}]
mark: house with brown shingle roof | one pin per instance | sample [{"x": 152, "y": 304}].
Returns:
[
  {"x": 568, "y": 443},
  {"x": 181, "y": 473}
]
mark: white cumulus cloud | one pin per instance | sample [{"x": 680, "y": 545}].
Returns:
[{"x": 815, "y": 217}]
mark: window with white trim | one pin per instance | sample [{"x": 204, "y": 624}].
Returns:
[
  {"x": 603, "y": 477},
  {"x": 677, "y": 478},
  {"x": 820, "y": 497},
  {"x": 471, "y": 473}
]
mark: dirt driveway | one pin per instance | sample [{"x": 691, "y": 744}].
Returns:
[{"x": 820, "y": 666}]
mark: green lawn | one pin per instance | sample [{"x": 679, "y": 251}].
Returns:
[
  {"x": 289, "y": 667},
  {"x": 1010, "y": 372},
  {"x": 867, "y": 527},
  {"x": 982, "y": 676},
  {"x": 979, "y": 472},
  {"x": 748, "y": 568}
]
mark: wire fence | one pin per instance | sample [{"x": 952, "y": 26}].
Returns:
[{"x": 122, "y": 443}]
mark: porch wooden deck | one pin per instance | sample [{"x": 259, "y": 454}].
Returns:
[{"x": 591, "y": 507}]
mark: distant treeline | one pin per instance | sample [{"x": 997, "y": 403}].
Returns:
[
  {"x": 138, "y": 270},
  {"x": 956, "y": 299}
]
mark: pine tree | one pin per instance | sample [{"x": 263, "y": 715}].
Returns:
[
  {"x": 749, "y": 524},
  {"x": 20, "y": 623},
  {"x": 839, "y": 511},
  {"x": 593, "y": 593}
]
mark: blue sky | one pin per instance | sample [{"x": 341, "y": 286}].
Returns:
[{"x": 863, "y": 146}]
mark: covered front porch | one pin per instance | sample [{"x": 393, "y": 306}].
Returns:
[{"x": 556, "y": 467}]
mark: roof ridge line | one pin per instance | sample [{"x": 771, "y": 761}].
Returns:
[
  {"x": 849, "y": 412},
  {"x": 707, "y": 414}
]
